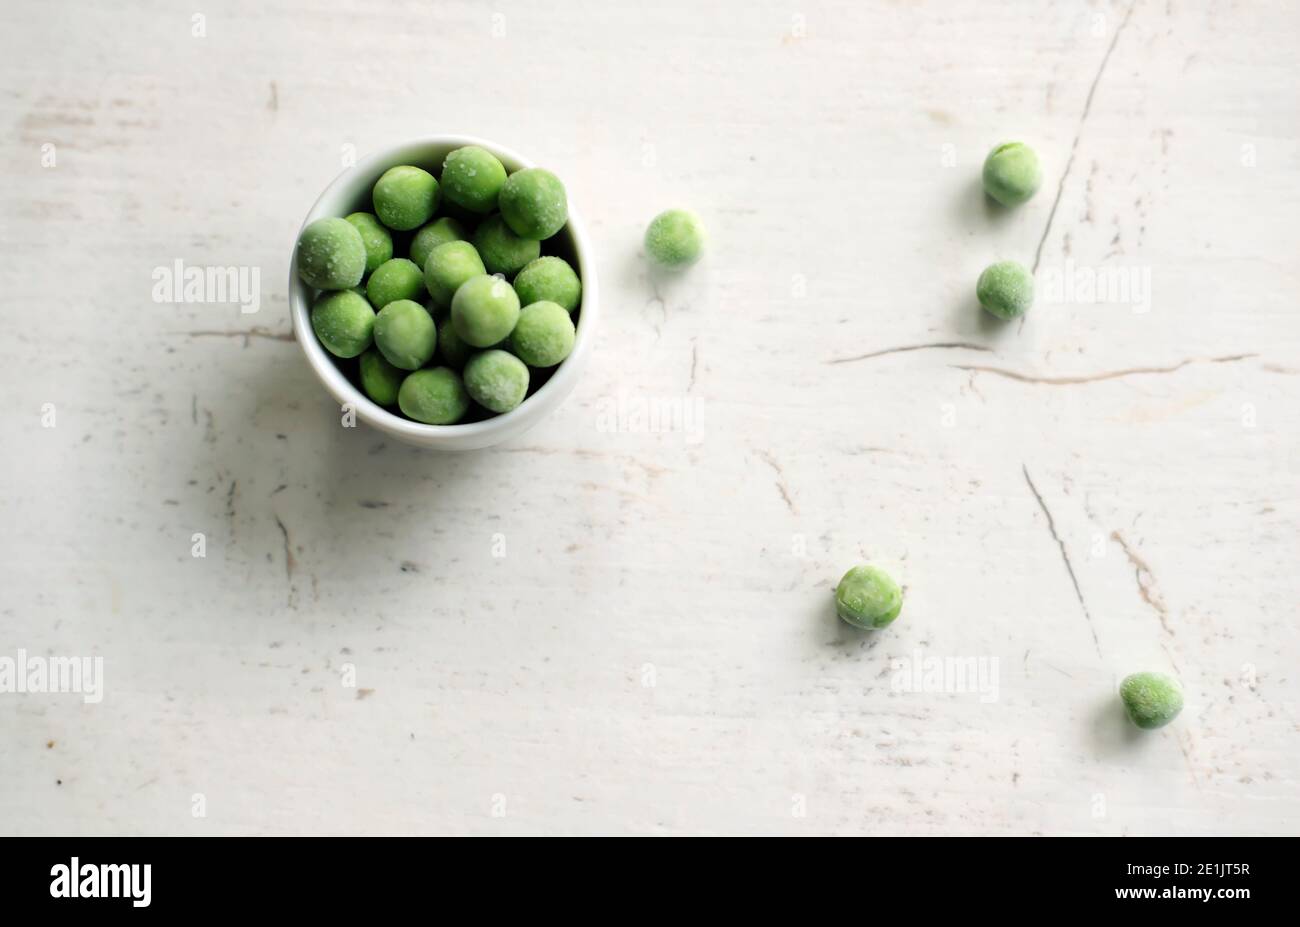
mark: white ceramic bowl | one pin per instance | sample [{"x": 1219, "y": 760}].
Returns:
[{"x": 350, "y": 192}]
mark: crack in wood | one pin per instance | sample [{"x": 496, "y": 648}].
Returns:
[
  {"x": 1099, "y": 377},
  {"x": 289, "y": 562},
  {"x": 1145, "y": 589},
  {"x": 1087, "y": 108},
  {"x": 780, "y": 480},
  {"x": 1065, "y": 557},
  {"x": 257, "y": 331},
  {"x": 938, "y": 345}
]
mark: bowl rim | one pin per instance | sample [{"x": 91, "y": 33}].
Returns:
[{"x": 343, "y": 390}]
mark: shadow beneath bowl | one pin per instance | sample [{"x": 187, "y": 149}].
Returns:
[{"x": 298, "y": 501}]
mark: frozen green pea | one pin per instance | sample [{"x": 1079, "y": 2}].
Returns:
[
  {"x": 502, "y": 251},
  {"x": 377, "y": 239},
  {"x": 543, "y": 336},
  {"x": 438, "y": 232},
  {"x": 496, "y": 380},
  {"x": 449, "y": 265},
  {"x": 1151, "y": 699},
  {"x": 380, "y": 379},
  {"x": 395, "y": 279},
  {"x": 1012, "y": 173},
  {"x": 406, "y": 334},
  {"x": 484, "y": 311},
  {"x": 533, "y": 203},
  {"x": 343, "y": 321},
  {"x": 405, "y": 197},
  {"x": 675, "y": 238},
  {"x": 451, "y": 347},
  {"x": 472, "y": 178},
  {"x": 1006, "y": 289},
  {"x": 867, "y": 597},
  {"x": 435, "y": 396},
  {"x": 549, "y": 279},
  {"x": 331, "y": 255}
]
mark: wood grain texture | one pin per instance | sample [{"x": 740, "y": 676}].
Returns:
[{"x": 1096, "y": 491}]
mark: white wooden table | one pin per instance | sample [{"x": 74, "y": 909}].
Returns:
[{"x": 623, "y": 622}]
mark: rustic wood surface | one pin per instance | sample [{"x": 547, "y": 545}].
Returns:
[{"x": 622, "y": 623}]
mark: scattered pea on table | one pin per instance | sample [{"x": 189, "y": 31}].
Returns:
[
  {"x": 1005, "y": 289},
  {"x": 675, "y": 238},
  {"x": 1012, "y": 173},
  {"x": 1151, "y": 700},
  {"x": 867, "y": 597}
]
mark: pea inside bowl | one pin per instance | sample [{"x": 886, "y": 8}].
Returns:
[{"x": 353, "y": 191}]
